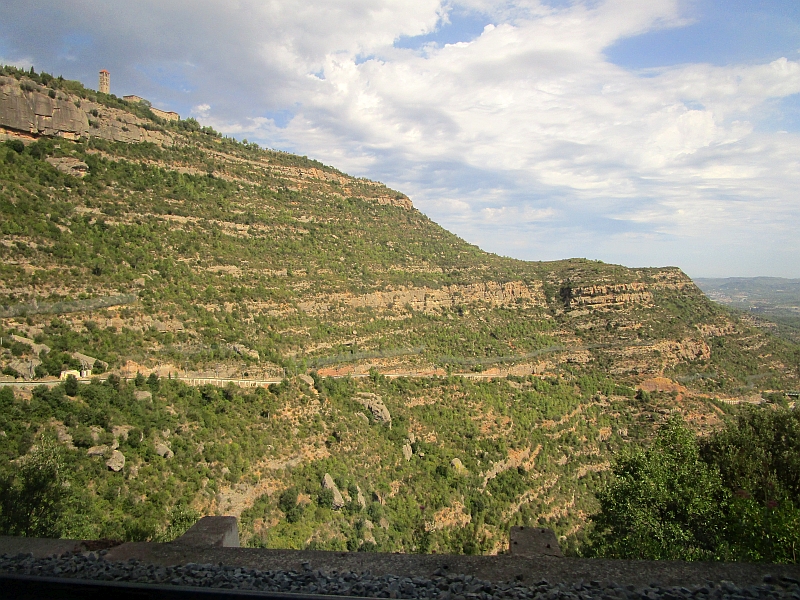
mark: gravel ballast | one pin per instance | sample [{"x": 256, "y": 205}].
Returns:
[{"x": 443, "y": 586}]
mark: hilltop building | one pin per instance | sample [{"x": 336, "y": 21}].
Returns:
[
  {"x": 168, "y": 115},
  {"x": 104, "y": 85},
  {"x": 163, "y": 114}
]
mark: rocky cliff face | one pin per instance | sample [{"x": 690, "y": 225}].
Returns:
[
  {"x": 369, "y": 190},
  {"x": 608, "y": 295},
  {"x": 28, "y": 108},
  {"x": 428, "y": 300}
]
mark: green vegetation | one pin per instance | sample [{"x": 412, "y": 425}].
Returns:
[
  {"x": 220, "y": 437},
  {"x": 191, "y": 245},
  {"x": 32, "y": 497},
  {"x": 732, "y": 496}
]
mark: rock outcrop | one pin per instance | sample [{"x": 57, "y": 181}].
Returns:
[
  {"x": 35, "y": 348},
  {"x": 367, "y": 534},
  {"x": 430, "y": 300},
  {"x": 27, "y": 107},
  {"x": 163, "y": 450},
  {"x": 88, "y": 362},
  {"x": 244, "y": 351},
  {"x": 597, "y": 296},
  {"x": 32, "y": 109},
  {"x": 407, "y": 451},
  {"x": 458, "y": 466},
  {"x": 116, "y": 462},
  {"x": 70, "y": 166},
  {"x": 307, "y": 379},
  {"x": 98, "y": 450},
  {"x": 365, "y": 189},
  {"x": 376, "y": 406},
  {"x": 120, "y": 432},
  {"x": 329, "y": 484},
  {"x": 26, "y": 368}
]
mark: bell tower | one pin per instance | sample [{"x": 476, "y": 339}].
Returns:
[{"x": 105, "y": 82}]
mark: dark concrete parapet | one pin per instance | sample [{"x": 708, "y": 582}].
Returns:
[
  {"x": 533, "y": 541},
  {"x": 534, "y": 556},
  {"x": 38, "y": 547},
  {"x": 212, "y": 532}
]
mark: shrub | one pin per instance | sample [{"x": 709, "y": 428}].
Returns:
[
  {"x": 32, "y": 498},
  {"x": 16, "y": 145}
]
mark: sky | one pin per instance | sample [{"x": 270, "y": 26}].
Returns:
[{"x": 655, "y": 133}]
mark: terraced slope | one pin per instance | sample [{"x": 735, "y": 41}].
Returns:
[
  {"x": 193, "y": 255},
  {"x": 222, "y": 253}
]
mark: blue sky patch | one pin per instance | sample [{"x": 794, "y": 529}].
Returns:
[
  {"x": 780, "y": 114},
  {"x": 170, "y": 76},
  {"x": 360, "y": 59},
  {"x": 463, "y": 26},
  {"x": 724, "y": 33},
  {"x": 74, "y": 45},
  {"x": 281, "y": 118}
]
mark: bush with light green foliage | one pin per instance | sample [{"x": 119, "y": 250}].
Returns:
[{"x": 33, "y": 496}]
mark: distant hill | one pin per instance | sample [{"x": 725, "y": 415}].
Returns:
[
  {"x": 449, "y": 392},
  {"x": 766, "y": 295},
  {"x": 774, "y": 299}
]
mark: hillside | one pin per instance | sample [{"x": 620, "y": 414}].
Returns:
[{"x": 167, "y": 249}]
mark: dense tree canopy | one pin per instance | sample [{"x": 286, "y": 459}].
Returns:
[{"x": 730, "y": 497}]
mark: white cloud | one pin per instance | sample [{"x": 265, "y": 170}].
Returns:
[
  {"x": 20, "y": 63},
  {"x": 525, "y": 139}
]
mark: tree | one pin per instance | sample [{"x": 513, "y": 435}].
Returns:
[
  {"x": 662, "y": 503},
  {"x": 732, "y": 496},
  {"x": 181, "y": 518},
  {"x": 758, "y": 452},
  {"x": 758, "y": 456},
  {"x": 71, "y": 386},
  {"x": 152, "y": 382},
  {"x": 16, "y": 145},
  {"x": 289, "y": 505},
  {"x": 32, "y": 499}
]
